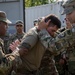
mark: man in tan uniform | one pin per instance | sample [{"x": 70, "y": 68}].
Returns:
[{"x": 26, "y": 58}]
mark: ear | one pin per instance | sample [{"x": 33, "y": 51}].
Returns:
[{"x": 48, "y": 22}]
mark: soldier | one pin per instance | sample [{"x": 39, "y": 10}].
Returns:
[
  {"x": 5, "y": 37},
  {"x": 61, "y": 61},
  {"x": 19, "y": 31},
  {"x": 67, "y": 38},
  {"x": 69, "y": 10},
  {"x": 26, "y": 58},
  {"x": 3, "y": 27}
]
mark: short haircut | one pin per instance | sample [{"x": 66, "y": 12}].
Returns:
[{"x": 54, "y": 19}]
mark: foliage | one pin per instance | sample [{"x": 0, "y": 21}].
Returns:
[{"x": 30, "y": 3}]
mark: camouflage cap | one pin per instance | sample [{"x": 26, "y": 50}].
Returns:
[
  {"x": 3, "y": 17},
  {"x": 69, "y": 6},
  {"x": 19, "y": 22}
]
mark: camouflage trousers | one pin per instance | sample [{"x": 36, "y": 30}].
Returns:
[
  {"x": 47, "y": 66},
  {"x": 24, "y": 73},
  {"x": 42, "y": 72},
  {"x": 39, "y": 72}
]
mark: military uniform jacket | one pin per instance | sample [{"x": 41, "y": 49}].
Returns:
[
  {"x": 6, "y": 41},
  {"x": 64, "y": 41},
  {"x": 17, "y": 36}
]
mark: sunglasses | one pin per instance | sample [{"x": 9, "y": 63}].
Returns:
[{"x": 19, "y": 26}]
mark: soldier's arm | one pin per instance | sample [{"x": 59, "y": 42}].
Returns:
[
  {"x": 58, "y": 44},
  {"x": 14, "y": 59},
  {"x": 26, "y": 44}
]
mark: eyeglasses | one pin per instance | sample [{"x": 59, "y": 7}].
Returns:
[{"x": 19, "y": 26}]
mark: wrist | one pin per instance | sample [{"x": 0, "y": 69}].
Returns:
[{"x": 15, "y": 51}]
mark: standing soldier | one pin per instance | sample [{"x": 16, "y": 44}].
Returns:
[
  {"x": 19, "y": 31},
  {"x": 61, "y": 59},
  {"x": 69, "y": 10},
  {"x": 5, "y": 37},
  {"x": 3, "y": 27},
  {"x": 19, "y": 26}
]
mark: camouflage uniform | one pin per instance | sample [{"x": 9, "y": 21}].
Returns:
[
  {"x": 6, "y": 61},
  {"x": 17, "y": 36},
  {"x": 68, "y": 68},
  {"x": 69, "y": 7},
  {"x": 4, "y": 69},
  {"x": 48, "y": 64},
  {"x": 60, "y": 67},
  {"x": 6, "y": 40},
  {"x": 71, "y": 55},
  {"x": 65, "y": 41}
]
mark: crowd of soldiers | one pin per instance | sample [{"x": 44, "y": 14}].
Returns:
[{"x": 46, "y": 49}]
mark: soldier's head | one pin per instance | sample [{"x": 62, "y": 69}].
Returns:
[
  {"x": 69, "y": 10},
  {"x": 35, "y": 22},
  {"x": 54, "y": 24},
  {"x": 19, "y": 26},
  {"x": 3, "y": 23}
]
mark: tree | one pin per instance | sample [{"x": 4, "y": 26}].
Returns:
[{"x": 30, "y": 3}]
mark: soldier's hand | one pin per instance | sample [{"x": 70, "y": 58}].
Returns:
[
  {"x": 68, "y": 24},
  {"x": 23, "y": 51},
  {"x": 42, "y": 24},
  {"x": 14, "y": 45},
  {"x": 61, "y": 62}
]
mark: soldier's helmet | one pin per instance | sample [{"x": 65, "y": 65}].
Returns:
[
  {"x": 19, "y": 22},
  {"x": 3, "y": 17},
  {"x": 69, "y": 6}
]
